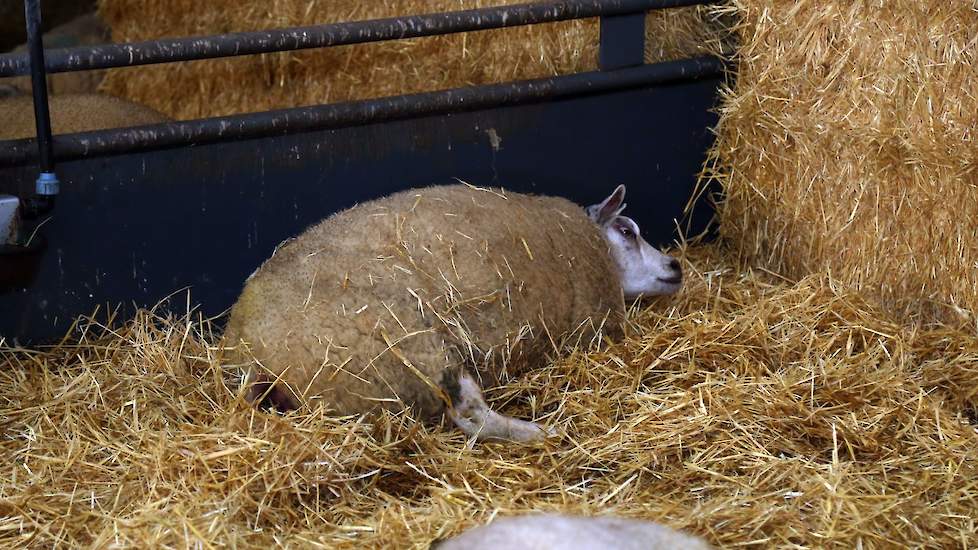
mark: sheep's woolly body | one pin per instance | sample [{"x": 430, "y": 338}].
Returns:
[
  {"x": 563, "y": 532},
  {"x": 382, "y": 304}
]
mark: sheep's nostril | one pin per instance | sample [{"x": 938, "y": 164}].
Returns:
[{"x": 674, "y": 265}]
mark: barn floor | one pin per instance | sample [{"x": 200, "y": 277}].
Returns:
[{"x": 750, "y": 410}]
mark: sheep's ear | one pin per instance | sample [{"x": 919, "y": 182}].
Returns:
[{"x": 609, "y": 208}]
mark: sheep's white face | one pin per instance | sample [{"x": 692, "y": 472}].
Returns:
[{"x": 643, "y": 270}]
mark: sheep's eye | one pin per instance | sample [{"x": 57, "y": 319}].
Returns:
[{"x": 626, "y": 231}]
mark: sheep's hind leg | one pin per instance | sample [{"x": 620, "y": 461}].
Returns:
[{"x": 472, "y": 415}]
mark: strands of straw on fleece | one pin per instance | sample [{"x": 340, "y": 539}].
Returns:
[
  {"x": 749, "y": 410},
  {"x": 255, "y": 83},
  {"x": 848, "y": 144}
]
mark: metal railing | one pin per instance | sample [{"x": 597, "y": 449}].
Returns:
[{"x": 621, "y": 61}]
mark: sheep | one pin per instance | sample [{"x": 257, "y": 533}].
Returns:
[
  {"x": 424, "y": 296},
  {"x": 85, "y": 30},
  {"x": 564, "y": 532},
  {"x": 73, "y": 113}
]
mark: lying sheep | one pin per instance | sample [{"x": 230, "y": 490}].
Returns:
[
  {"x": 73, "y": 113},
  {"x": 424, "y": 296},
  {"x": 562, "y": 532},
  {"x": 85, "y": 30}
]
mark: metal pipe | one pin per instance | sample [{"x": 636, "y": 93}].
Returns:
[
  {"x": 354, "y": 113},
  {"x": 39, "y": 84},
  {"x": 335, "y": 34},
  {"x": 46, "y": 187}
]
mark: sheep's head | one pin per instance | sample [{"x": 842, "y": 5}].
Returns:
[{"x": 642, "y": 270}]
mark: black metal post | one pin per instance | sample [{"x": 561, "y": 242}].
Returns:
[
  {"x": 32, "y": 13},
  {"x": 622, "y": 41},
  {"x": 46, "y": 186}
]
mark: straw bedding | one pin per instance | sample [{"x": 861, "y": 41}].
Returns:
[
  {"x": 748, "y": 409},
  {"x": 255, "y": 83},
  {"x": 798, "y": 410},
  {"x": 849, "y": 145}
]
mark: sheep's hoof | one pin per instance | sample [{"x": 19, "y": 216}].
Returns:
[
  {"x": 483, "y": 424},
  {"x": 473, "y": 416},
  {"x": 529, "y": 432}
]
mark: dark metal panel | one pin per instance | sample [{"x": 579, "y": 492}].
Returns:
[
  {"x": 622, "y": 41},
  {"x": 336, "y": 34},
  {"x": 337, "y": 115},
  {"x": 134, "y": 228}
]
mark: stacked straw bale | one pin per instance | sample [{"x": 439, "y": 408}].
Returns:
[
  {"x": 749, "y": 410},
  {"x": 849, "y": 144},
  {"x": 255, "y": 83}
]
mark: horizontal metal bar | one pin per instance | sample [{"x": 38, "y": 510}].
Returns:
[
  {"x": 319, "y": 36},
  {"x": 354, "y": 113}
]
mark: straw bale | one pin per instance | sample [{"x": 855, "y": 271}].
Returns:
[
  {"x": 749, "y": 410},
  {"x": 848, "y": 145},
  {"x": 255, "y": 83}
]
